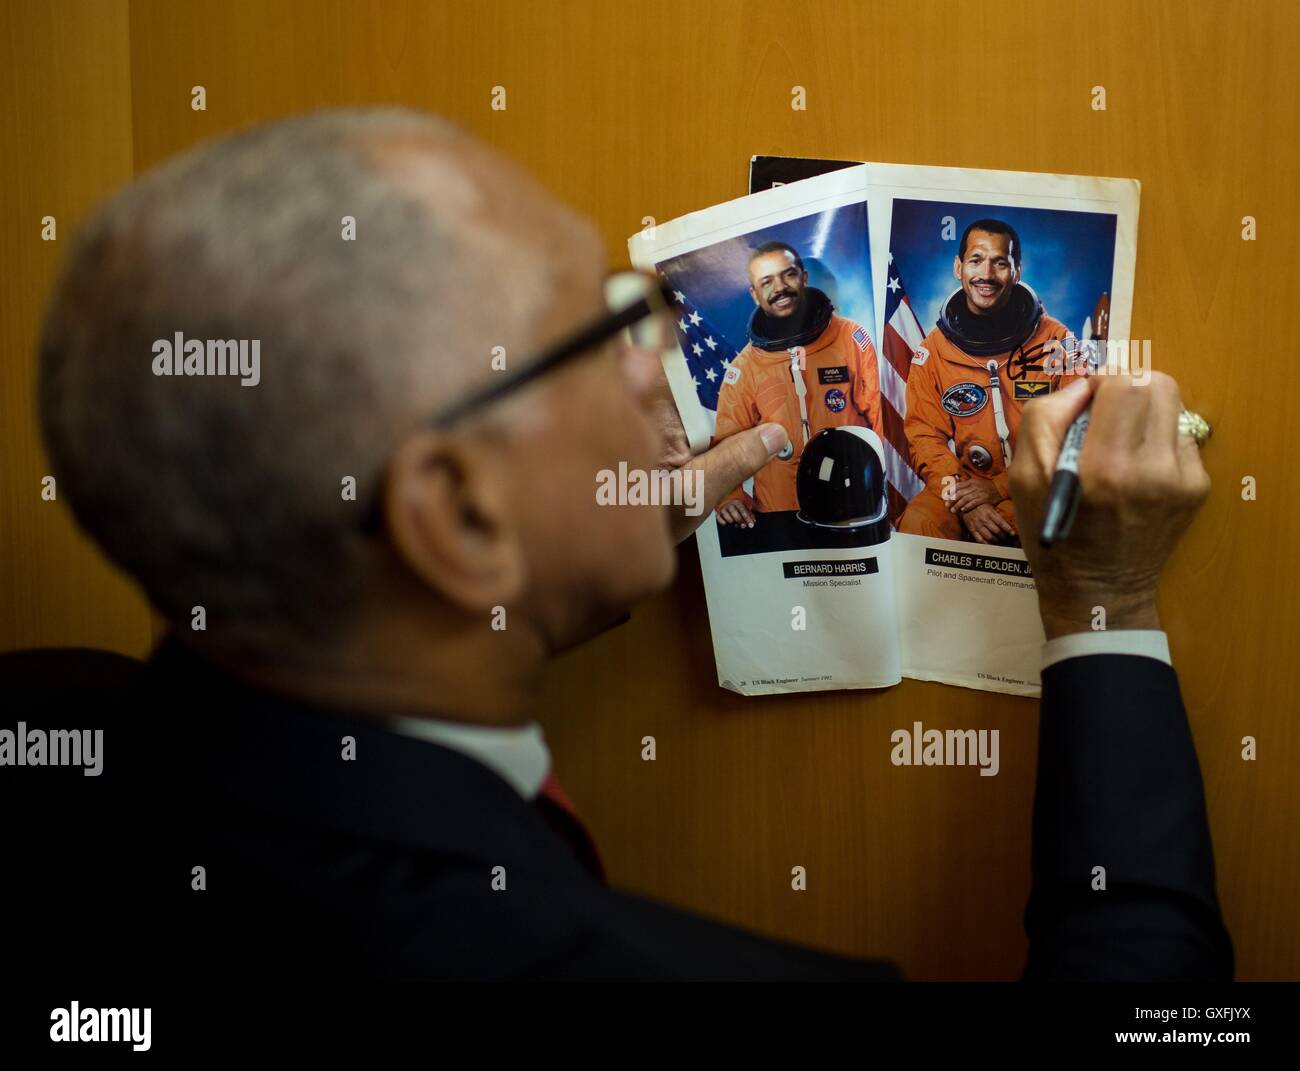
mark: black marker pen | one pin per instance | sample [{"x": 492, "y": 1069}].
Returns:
[{"x": 1063, "y": 494}]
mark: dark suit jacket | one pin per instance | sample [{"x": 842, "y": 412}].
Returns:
[{"x": 384, "y": 866}]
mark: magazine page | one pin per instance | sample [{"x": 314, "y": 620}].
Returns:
[
  {"x": 775, "y": 314},
  {"x": 987, "y": 285}
]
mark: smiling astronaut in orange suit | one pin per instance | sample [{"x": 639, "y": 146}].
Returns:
[
  {"x": 993, "y": 349},
  {"x": 793, "y": 326}
]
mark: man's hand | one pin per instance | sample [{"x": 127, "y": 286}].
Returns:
[
  {"x": 1141, "y": 484},
  {"x": 736, "y": 512},
  {"x": 971, "y": 492},
  {"x": 724, "y": 467},
  {"x": 987, "y": 525}
]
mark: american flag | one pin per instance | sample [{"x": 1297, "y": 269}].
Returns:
[
  {"x": 707, "y": 352},
  {"x": 903, "y": 337}
]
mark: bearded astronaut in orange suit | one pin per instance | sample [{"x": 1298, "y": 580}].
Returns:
[
  {"x": 993, "y": 349},
  {"x": 804, "y": 368}
]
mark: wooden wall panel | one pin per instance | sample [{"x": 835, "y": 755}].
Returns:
[
  {"x": 629, "y": 110},
  {"x": 65, "y": 141}
]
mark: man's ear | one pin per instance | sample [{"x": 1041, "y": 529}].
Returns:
[
  {"x": 754, "y": 294},
  {"x": 447, "y": 510},
  {"x": 956, "y": 268}
]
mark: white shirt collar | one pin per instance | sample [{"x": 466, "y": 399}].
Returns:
[{"x": 518, "y": 754}]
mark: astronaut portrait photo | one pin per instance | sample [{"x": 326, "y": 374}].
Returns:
[
  {"x": 992, "y": 302},
  {"x": 775, "y": 326}
]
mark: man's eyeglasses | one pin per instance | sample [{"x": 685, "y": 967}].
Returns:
[
  {"x": 632, "y": 297},
  {"x": 637, "y": 302}
]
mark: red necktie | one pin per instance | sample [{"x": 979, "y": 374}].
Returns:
[{"x": 562, "y": 816}]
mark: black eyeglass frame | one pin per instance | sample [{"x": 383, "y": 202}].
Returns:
[{"x": 560, "y": 353}]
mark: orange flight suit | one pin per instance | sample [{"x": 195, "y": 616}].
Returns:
[
  {"x": 843, "y": 385},
  {"x": 940, "y": 406}
]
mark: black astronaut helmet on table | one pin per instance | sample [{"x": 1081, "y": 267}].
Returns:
[{"x": 841, "y": 482}]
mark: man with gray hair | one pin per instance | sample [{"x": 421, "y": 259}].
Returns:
[{"x": 367, "y": 551}]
